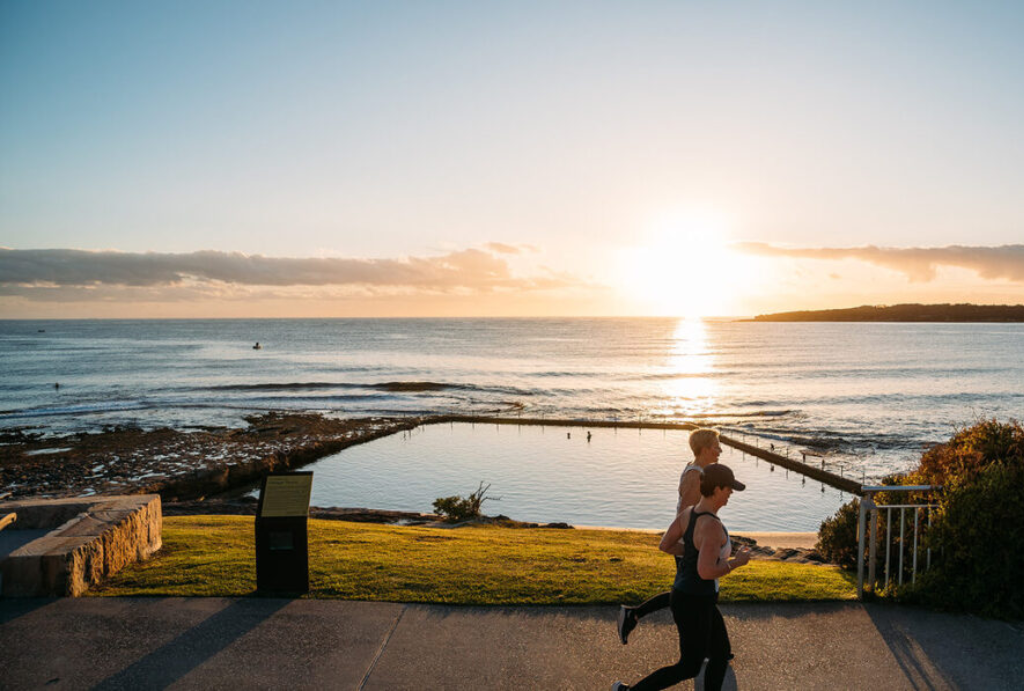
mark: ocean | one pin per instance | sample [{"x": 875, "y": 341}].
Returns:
[{"x": 869, "y": 395}]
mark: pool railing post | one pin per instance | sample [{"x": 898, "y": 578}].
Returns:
[
  {"x": 873, "y": 550},
  {"x": 860, "y": 547}
]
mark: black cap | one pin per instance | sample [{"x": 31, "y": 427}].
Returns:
[{"x": 718, "y": 475}]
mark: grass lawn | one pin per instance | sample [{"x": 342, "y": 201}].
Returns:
[{"x": 486, "y": 565}]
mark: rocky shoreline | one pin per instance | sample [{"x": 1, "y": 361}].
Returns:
[{"x": 177, "y": 465}]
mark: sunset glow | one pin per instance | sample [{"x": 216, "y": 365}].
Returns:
[
  {"x": 686, "y": 268},
  {"x": 678, "y": 275}
]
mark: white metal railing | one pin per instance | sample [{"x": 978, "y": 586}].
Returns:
[{"x": 868, "y": 505}]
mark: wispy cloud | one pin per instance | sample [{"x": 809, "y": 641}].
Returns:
[
  {"x": 502, "y": 248},
  {"x": 919, "y": 264},
  {"x": 28, "y": 272}
]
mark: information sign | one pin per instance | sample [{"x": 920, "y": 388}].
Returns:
[
  {"x": 286, "y": 495},
  {"x": 282, "y": 547}
]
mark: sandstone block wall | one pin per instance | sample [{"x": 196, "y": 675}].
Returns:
[{"x": 90, "y": 540}]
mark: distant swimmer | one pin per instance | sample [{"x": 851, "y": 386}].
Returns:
[
  {"x": 257, "y": 346},
  {"x": 56, "y": 385}
]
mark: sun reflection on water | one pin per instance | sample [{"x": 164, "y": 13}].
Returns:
[{"x": 689, "y": 387}]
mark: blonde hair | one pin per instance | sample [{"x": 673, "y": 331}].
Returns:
[{"x": 702, "y": 438}]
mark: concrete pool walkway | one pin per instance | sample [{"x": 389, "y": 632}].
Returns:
[{"x": 143, "y": 643}]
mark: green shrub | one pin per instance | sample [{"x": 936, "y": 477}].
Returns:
[
  {"x": 977, "y": 530},
  {"x": 458, "y": 508},
  {"x": 978, "y": 536},
  {"x": 837, "y": 537}
]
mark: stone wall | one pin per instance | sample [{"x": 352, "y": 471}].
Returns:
[{"x": 90, "y": 539}]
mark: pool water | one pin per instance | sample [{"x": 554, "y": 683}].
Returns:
[{"x": 619, "y": 478}]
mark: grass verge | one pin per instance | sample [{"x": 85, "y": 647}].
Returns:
[{"x": 486, "y": 565}]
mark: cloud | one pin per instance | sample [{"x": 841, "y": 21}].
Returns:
[
  {"x": 919, "y": 264},
  {"x": 53, "y": 271},
  {"x": 502, "y": 248}
]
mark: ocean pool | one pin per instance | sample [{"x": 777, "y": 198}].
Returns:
[{"x": 618, "y": 478}]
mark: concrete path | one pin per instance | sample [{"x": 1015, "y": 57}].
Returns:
[{"x": 155, "y": 643}]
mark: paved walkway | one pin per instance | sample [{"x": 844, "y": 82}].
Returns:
[{"x": 145, "y": 643}]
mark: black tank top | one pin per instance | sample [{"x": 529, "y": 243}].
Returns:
[{"x": 687, "y": 579}]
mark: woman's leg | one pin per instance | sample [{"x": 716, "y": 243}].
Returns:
[
  {"x": 629, "y": 617},
  {"x": 718, "y": 652},
  {"x": 728, "y": 643},
  {"x": 659, "y": 601},
  {"x": 693, "y": 618}
]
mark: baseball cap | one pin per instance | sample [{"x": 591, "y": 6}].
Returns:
[{"x": 718, "y": 475}]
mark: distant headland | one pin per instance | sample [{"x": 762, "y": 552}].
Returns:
[{"x": 903, "y": 313}]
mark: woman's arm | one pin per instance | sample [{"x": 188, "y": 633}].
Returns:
[
  {"x": 670, "y": 541},
  {"x": 711, "y": 536},
  {"x": 689, "y": 489}
]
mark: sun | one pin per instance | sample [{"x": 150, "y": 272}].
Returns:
[{"x": 684, "y": 268}]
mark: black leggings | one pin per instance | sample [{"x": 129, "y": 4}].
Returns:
[
  {"x": 702, "y": 635},
  {"x": 659, "y": 601}
]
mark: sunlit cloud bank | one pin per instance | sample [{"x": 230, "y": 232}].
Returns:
[
  {"x": 919, "y": 264},
  {"x": 499, "y": 279},
  {"x": 61, "y": 273}
]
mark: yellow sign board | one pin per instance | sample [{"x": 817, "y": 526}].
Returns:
[{"x": 286, "y": 495}]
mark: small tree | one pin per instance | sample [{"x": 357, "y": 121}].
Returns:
[{"x": 458, "y": 508}]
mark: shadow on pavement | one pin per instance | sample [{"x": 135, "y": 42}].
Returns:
[
  {"x": 14, "y": 607},
  {"x": 755, "y": 611},
  {"x": 743, "y": 611},
  {"x": 939, "y": 650},
  {"x": 917, "y": 665},
  {"x": 175, "y": 659}
]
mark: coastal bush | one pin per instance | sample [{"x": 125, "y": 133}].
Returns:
[
  {"x": 970, "y": 451},
  {"x": 976, "y": 536},
  {"x": 837, "y": 536},
  {"x": 979, "y": 535},
  {"x": 458, "y": 508},
  {"x": 978, "y": 529}
]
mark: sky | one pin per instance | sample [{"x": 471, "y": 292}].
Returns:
[{"x": 334, "y": 159}]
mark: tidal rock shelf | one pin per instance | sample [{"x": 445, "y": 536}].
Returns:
[{"x": 177, "y": 465}]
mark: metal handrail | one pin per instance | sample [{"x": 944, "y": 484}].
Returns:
[{"x": 867, "y": 504}]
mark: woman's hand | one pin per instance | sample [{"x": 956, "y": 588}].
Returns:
[{"x": 741, "y": 558}]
